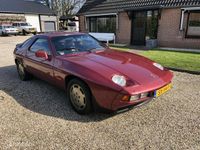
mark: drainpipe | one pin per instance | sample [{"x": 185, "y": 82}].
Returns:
[{"x": 182, "y": 20}]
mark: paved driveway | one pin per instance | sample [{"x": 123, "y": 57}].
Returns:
[{"x": 36, "y": 115}]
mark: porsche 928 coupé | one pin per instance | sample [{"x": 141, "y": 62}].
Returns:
[{"x": 92, "y": 74}]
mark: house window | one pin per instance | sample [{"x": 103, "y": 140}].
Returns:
[
  {"x": 193, "y": 29},
  {"x": 102, "y": 24}
]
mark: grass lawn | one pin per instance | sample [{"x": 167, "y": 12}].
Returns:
[
  {"x": 119, "y": 47},
  {"x": 180, "y": 60}
]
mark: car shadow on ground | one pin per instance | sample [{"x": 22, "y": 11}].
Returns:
[{"x": 40, "y": 97}]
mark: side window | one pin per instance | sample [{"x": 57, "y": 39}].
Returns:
[
  {"x": 40, "y": 44},
  {"x": 0, "y": 27},
  {"x": 26, "y": 43}
]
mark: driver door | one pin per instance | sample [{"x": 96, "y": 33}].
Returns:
[{"x": 40, "y": 67}]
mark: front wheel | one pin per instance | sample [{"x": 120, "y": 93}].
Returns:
[
  {"x": 24, "y": 32},
  {"x": 79, "y": 96}
]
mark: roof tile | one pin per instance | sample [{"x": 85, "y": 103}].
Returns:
[
  {"x": 108, "y": 6},
  {"x": 22, "y": 6}
]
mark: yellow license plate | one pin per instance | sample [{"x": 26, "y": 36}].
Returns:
[{"x": 163, "y": 90}]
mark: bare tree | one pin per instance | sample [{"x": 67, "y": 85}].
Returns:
[
  {"x": 66, "y": 7},
  {"x": 45, "y": 2}
]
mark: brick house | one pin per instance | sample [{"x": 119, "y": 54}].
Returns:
[{"x": 174, "y": 23}]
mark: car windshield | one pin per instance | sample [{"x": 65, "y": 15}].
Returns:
[
  {"x": 76, "y": 43},
  {"x": 24, "y": 24},
  {"x": 9, "y": 27}
]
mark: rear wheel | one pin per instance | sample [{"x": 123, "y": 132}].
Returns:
[
  {"x": 79, "y": 96},
  {"x": 23, "y": 74},
  {"x": 3, "y": 34}
]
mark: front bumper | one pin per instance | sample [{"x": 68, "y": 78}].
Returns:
[
  {"x": 30, "y": 31},
  {"x": 112, "y": 100},
  {"x": 119, "y": 104},
  {"x": 150, "y": 87},
  {"x": 123, "y": 109}
]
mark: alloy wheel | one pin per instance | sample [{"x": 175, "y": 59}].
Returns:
[{"x": 78, "y": 97}]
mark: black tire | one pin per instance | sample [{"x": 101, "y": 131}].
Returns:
[
  {"x": 80, "y": 99},
  {"x": 34, "y": 33},
  {"x": 23, "y": 74},
  {"x": 3, "y": 34},
  {"x": 24, "y": 32}
]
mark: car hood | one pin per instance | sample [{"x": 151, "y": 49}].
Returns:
[
  {"x": 136, "y": 68},
  {"x": 27, "y": 27}
]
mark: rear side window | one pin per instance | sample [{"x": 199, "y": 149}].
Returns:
[
  {"x": 26, "y": 43},
  {"x": 40, "y": 44}
]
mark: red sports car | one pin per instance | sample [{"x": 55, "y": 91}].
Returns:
[{"x": 93, "y": 75}]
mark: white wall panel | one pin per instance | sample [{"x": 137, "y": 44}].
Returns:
[{"x": 33, "y": 20}]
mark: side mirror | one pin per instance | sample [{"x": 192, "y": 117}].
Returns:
[{"x": 42, "y": 54}]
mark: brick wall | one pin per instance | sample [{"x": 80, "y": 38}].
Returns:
[
  {"x": 123, "y": 34},
  {"x": 169, "y": 34},
  {"x": 82, "y": 27}
]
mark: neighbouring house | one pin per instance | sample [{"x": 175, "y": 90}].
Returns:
[
  {"x": 174, "y": 23},
  {"x": 69, "y": 23},
  {"x": 38, "y": 15}
]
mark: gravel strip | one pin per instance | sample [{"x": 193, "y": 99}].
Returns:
[{"x": 36, "y": 115}]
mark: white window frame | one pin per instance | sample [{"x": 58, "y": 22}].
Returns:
[
  {"x": 183, "y": 10},
  {"x": 99, "y": 15}
]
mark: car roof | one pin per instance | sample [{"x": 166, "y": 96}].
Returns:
[
  {"x": 60, "y": 33},
  {"x": 20, "y": 22}
]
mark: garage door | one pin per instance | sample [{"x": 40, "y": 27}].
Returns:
[{"x": 49, "y": 26}]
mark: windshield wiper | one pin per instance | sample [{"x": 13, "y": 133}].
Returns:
[
  {"x": 73, "y": 49},
  {"x": 91, "y": 50}
]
